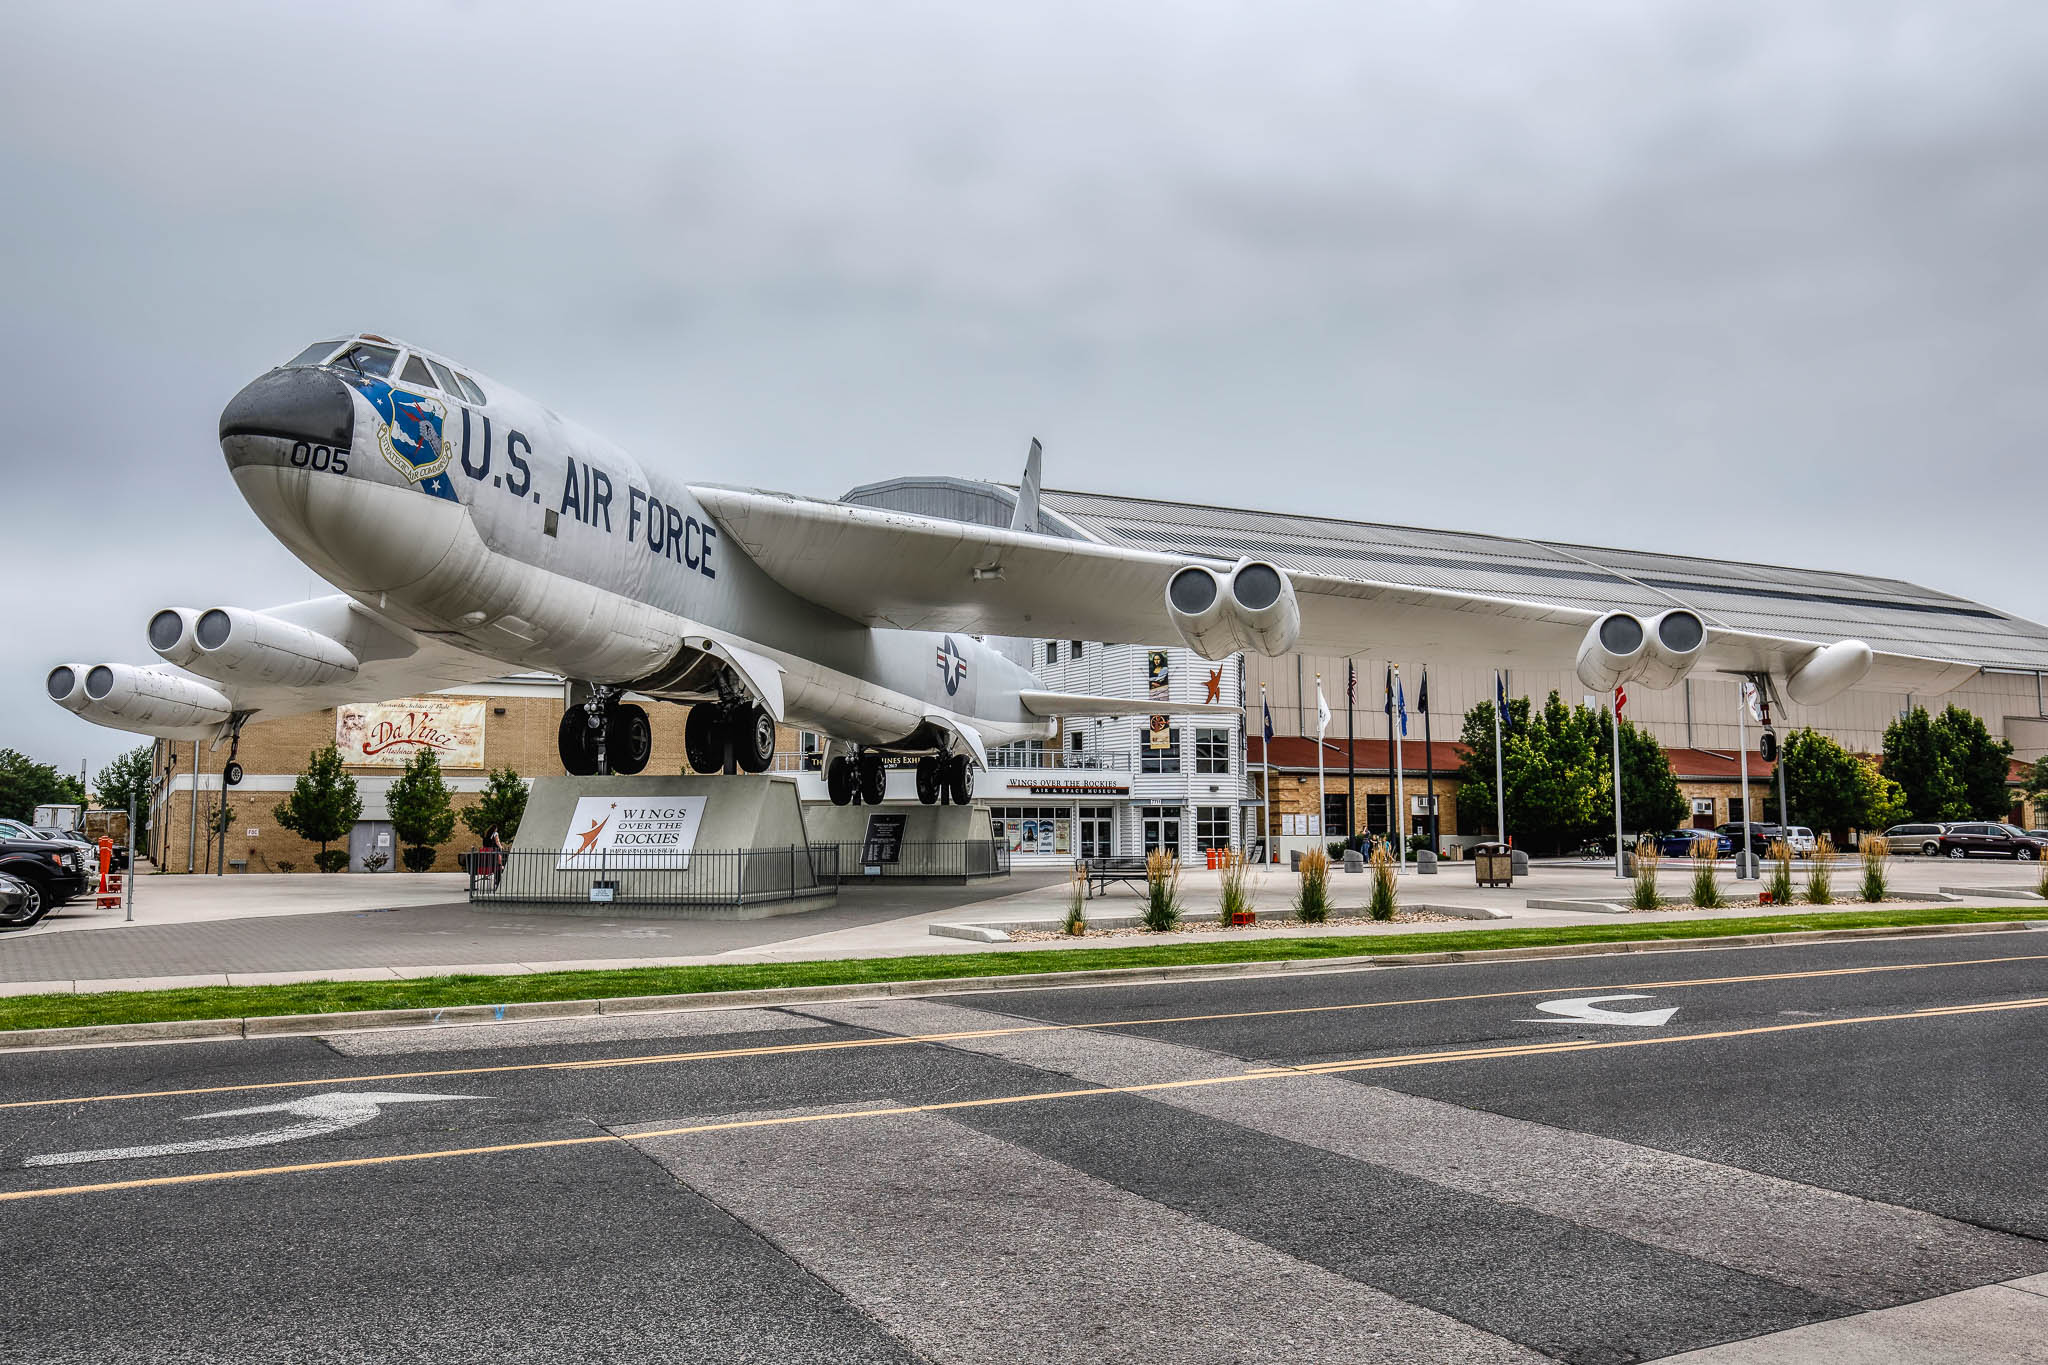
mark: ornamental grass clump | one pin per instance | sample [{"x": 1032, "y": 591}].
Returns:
[
  {"x": 1877, "y": 852},
  {"x": 1820, "y": 875},
  {"x": 1384, "y": 899},
  {"x": 1076, "y": 922},
  {"x": 1706, "y": 888},
  {"x": 1644, "y": 894},
  {"x": 1312, "y": 903},
  {"x": 1162, "y": 891},
  {"x": 2041, "y": 887},
  {"x": 1239, "y": 891},
  {"x": 1780, "y": 884}
]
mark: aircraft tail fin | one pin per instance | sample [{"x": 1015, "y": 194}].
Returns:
[{"x": 1026, "y": 518}]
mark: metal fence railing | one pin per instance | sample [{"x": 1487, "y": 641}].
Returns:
[
  {"x": 705, "y": 877},
  {"x": 952, "y": 860}
]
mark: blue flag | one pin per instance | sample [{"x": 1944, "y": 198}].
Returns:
[
  {"x": 1266, "y": 716},
  {"x": 1401, "y": 704},
  {"x": 1500, "y": 700}
]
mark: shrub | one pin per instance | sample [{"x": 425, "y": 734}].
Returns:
[
  {"x": 375, "y": 862},
  {"x": 1706, "y": 888},
  {"x": 331, "y": 859},
  {"x": 1238, "y": 887},
  {"x": 1820, "y": 878},
  {"x": 1780, "y": 883},
  {"x": 1385, "y": 900},
  {"x": 1644, "y": 894},
  {"x": 1335, "y": 852},
  {"x": 2041, "y": 888},
  {"x": 286, "y": 866},
  {"x": 1162, "y": 891},
  {"x": 1876, "y": 853},
  {"x": 1313, "y": 903},
  {"x": 418, "y": 857},
  {"x": 1076, "y": 921}
]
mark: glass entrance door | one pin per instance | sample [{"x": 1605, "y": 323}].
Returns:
[
  {"x": 1162, "y": 828},
  {"x": 1096, "y": 824}
]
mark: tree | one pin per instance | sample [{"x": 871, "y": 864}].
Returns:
[
  {"x": 421, "y": 813},
  {"x": 1477, "y": 808},
  {"x": 1913, "y": 759},
  {"x": 323, "y": 806},
  {"x": 129, "y": 776},
  {"x": 26, "y": 784},
  {"x": 1555, "y": 770},
  {"x": 1977, "y": 765},
  {"x": 1831, "y": 789},
  {"x": 1650, "y": 800},
  {"x": 502, "y": 805}
]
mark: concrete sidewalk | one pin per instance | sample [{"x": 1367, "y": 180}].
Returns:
[{"x": 262, "y": 930}]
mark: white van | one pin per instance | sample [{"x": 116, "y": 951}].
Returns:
[{"x": 1800, "y": 840}]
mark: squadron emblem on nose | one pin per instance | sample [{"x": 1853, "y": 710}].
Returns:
[{"x": 410, "y": 434}]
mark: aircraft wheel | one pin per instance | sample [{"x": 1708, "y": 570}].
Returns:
[
  {"x": 874, "y": 779},
  {"x": 959, "y": 780},
  {"x": 703, "y": 746},
  {"x": 928, "y": 780},
  {"x": 753, "y": 738},
  {"x": 576, "y": 743},
  {"x": 839, "y": 781},
  {"x": 629, "y": 742}
]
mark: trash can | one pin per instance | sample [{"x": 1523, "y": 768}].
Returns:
[{"x": 1493, "y": 865}]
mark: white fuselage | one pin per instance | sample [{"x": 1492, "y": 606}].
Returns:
[{"x": 503, "y": 530}]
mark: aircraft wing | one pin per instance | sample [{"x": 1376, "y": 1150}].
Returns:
[{"x": 896, "y": 569}]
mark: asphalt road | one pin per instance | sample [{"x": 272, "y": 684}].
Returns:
[{"x": 1818, "y": 1146}]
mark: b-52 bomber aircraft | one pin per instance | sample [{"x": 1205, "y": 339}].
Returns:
[{"x": 473, "y": 532}]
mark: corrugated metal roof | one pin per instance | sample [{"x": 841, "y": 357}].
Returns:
[{"x": 1814, "y": 604}]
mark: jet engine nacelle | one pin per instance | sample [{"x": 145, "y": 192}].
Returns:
[
  {"x": 1612, "y": 651},
  {"x": 1251, "y": 606},
  {"x": 145, "y": 699},
  {"x": 1828, "y": 672},
  {"x": 234, "y": 644},
  {"x": 1673, "y": 646}
]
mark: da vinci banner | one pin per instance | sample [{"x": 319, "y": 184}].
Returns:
[{"x": 388, "y": 734}]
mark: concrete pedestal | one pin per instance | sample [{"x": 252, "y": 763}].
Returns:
[
  {"x": 749, "y": 858},
  {"x": 937, "y": 843}
]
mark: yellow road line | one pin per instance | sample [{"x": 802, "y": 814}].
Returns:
[
  {"x": 830, "y": 1116},
  {"x": 850, "y": 1044}
]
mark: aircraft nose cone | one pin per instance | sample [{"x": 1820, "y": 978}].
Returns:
[{"x": 293, "y": 405}]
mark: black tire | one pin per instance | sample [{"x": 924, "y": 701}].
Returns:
[
  {"x": 232, "y": 774},
  {"x": 839, "y": 781},
  {"x": 928, "y": 780},
  {"x": 1927, "y": 850},
  {"x": 753, "y": 739},
  {"x": 959, "y": 780},
  {"x": 874, "y": 779},
  {"x": 629, "y": 741},
  {"x": 1957, "y": 853},
  {"x": 40, "y": 903},
  {"x": 703, "y": 746},
  {"x": 2024, "y": 855},
  {"x": 576, "y": 744}
]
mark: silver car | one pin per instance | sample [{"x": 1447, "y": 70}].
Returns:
[{"x": 1923, "y": 838}]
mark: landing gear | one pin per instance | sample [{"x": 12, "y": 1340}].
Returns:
[
  {"x": 874, "y": 779},
  {"x": 928, "y": 780},
  {"x": 604, "y": 735},
  {"x": 839, "y": 782},
  {"x": 861, "y": 778},
  {"x": 944, "y": 777},
  {"x": 712, "y": 726},
  {"x": 959, "y": 779}
]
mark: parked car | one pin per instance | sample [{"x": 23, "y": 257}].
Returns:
[
  {"x": 1922, "y": 838},
  {"x": 1800, "y": 839},
  {"x": 118, "y": 862},
  {"x": 20, "y": 906},
  {"x": 1990, "y": 841},
  {"x": 1760, "y": 835},
  {"x": 53, "y": 873},
  {"x": 1685, "y": 843}
]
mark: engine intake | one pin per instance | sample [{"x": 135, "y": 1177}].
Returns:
[
  {"x": 1251, "y": 607},
  {"x": 1675, "y": 641},
  {"x": 66, "y": 685},
  {"x": 170, "y": 634},
  {"x": 144, "y": 699},
  {"x": 1612, "y": 651},
  {"x": 234, "y": 644}
]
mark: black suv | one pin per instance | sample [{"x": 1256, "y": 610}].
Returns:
[
  {"x": 53, "y": 872},
  {"x": 1990, "y": 841}
]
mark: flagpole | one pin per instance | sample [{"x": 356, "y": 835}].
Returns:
[
  {"x": 1322, "y": 802},
  {"x": 1500, "y": 791},
  {"x": 1400, "y": 820},
  {"x": 1618, "y": 695},
  {"x": 1266, "y": 786},
  {"x": 1350, "y": 754},
  {"x": 1429, "y": 760}
]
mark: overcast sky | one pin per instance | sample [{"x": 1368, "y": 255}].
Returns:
[{"x": 1739, "y": 279}]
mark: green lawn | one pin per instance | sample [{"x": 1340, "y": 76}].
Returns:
[{"x": 327, "y": 997}]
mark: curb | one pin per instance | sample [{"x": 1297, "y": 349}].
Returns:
[
  {"x": 999, "y": 931},
  {"x": 300, "y": 1025}
]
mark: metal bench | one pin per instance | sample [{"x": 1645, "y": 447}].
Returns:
[{"x": 1100, "y": 872}]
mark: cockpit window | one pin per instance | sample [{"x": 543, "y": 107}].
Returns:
[
  {"x": 312, "y": 355},
  {"x": 469, "y": 389},
  {"x": 416, "y": 372},
  {"x": 443, "y": 379},
  {"x": 365, "y": 359}
]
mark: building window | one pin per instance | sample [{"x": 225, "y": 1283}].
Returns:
[
  {"x": 1212, "y": 751},
  {"x": 1212, "y": 827},
  {"x": 1052, "y": 651},
  {"x": 1165, "y": 760},
  {"x": 1376, "y": 812},
  {"x": 1337, "y": 815},
  {"x": 1033, "y": 829},
  {"x": 1162, "y": 827},
  {"x": 1073, "y": 649},
  {"x": 1076, "y": 737}
]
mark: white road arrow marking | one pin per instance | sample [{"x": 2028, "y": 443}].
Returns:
[
  {"x": 325, "y": 1113},
  {"x": 1585, "y": 1009}
]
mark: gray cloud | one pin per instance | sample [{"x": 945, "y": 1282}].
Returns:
[{"x": 1752, "y": 280}]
